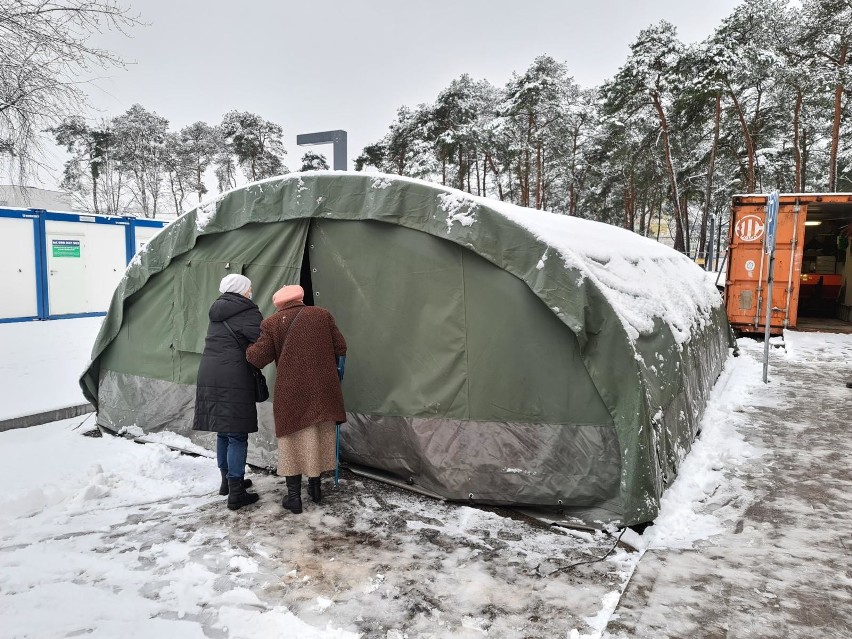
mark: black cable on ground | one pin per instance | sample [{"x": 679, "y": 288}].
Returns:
[{"x": 587, "y": 561}]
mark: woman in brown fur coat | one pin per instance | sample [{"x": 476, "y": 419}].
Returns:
[{"x": 309, "y": 351}]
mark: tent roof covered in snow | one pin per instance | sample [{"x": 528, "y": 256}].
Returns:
[{"x": 498, "y": 354}]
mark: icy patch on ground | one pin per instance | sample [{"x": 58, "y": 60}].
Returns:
[{"x": 139, "y": 534}]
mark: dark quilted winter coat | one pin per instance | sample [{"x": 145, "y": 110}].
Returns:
[
  {"x": 307, "y": 389},
  {"x": 224, "y": 398}
]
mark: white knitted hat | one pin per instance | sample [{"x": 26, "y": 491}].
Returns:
[{"x": 234, "y": 283}]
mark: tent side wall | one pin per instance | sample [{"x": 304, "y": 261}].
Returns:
[{"x": 460, "y": 380}]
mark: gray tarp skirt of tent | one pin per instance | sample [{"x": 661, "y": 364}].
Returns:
[{"x": 478, "y": 369}]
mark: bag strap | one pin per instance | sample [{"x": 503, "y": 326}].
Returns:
[
  {"x": 287, "y": 333},
  {"x": 237, "y": 339},
  {"x": 233, "y": 334}
]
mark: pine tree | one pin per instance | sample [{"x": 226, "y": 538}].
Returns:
[
  {"x": 140, "y": 137},
  {"x": 827, "y": 33},
  {"x": 255, "y": 143},
  {"x": 648, "y": 79},
  {"x": 202, "y": 144},
  {"x": 314, "y": 162}
]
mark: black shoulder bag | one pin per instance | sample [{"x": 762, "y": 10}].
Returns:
[{"x": 261, "y": 389}]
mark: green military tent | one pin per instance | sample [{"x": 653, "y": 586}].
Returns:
[{"x": 497, "y": 354}]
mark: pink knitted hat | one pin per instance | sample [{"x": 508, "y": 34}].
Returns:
[{"x": 288, "y": 294}]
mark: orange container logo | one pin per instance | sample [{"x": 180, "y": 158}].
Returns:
[{"x": 750, "y": 228}]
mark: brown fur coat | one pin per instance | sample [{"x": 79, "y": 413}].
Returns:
[{"x": 307, "y": 389}]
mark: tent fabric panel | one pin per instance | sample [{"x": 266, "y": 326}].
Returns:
[
  {"x": 155, "y": 406},
  {"x": 270, "y": 254},
  {"x": 143, "y": 345},
  {"x": 677, "y": 384},
  {"x": 496, "y": 462},
  {"x": 524, "y": 364},
  {"x": 198, "y": 285},
  {"x": 405, "y": 333},
  {"x": 165, "y": 323},
  {"x": 278, "y": 247},
  {"x": 499, "y": 462}
]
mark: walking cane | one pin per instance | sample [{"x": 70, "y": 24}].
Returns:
[{"x": 341, "y": 361}]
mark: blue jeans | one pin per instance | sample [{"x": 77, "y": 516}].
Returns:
[{"x": 231, "y": 450}]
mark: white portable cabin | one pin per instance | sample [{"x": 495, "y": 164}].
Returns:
[
  {"x": 19, "y": 265},
  {"x": 62, "y": 265}
]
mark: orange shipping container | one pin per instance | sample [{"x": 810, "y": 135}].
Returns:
[{"x": 811, "y": 263}]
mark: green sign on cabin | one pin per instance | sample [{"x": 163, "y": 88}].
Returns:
[{"x": 66, "y": 248}]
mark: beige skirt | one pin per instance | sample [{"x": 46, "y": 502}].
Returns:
[{"x": 309, "y": 451}]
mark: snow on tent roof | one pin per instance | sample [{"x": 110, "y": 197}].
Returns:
[
  {"x": 578, "y": 351},
  {"x": 634, "y": 273}
]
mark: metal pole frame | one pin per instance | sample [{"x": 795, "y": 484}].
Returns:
[
  {"x": 760, "y": 274},
  {"x": 796, "y": 210},
  {"x": 337, "y": 138},
  {"x": 771, "y": 202}
]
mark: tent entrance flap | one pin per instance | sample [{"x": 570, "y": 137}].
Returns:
[{"x": 305, "y": 280}]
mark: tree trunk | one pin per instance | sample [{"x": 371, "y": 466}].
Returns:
[
  {"x": 664, "y": 126},
  {"x": 539, "y": 183},
  {"x": 711, "y": 166},
  {"x": 630, "y": 204},
  {"x": 838, "y": 112},
  {"x": 400, "y": 161},
  {"x": 484, "y": 173},
  {"x": 498, "y": 176},
  {"x": 95, "y": 193},
  {"x": 797, "y": 154},
  {"x": 527, "y": 169},
  {"x": 174, "y": 193},
  {"x": 683, "y": 239},
  {"x": 572, "y": 193},
  {"x": 749, "y": 143},
  {"x": 571, "y": 197},
  {"x": 659, "y": 219},
  {"x": 755, "y": 132}
]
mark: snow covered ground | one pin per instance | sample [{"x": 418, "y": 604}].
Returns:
[
  {"x": 40, "y": 363},
  {"x": 104, "y": 537}
]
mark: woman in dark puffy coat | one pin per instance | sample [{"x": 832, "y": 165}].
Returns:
[{"x": 224, "y": 398}]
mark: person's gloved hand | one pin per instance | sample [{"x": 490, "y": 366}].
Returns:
[{"x": 341, "y": 363}]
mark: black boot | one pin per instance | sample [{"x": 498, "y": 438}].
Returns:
[
  {"x": 314, "y": 489},
  {"x": 293, "y": 500},
  {"x": 237, "y": 495},
  {"x": 223, "y": 487}
]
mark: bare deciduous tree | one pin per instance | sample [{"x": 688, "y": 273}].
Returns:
[{"x": 45, "y": 61}]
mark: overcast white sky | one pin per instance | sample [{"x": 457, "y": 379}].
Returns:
[{"x": 333, "y": 64}]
